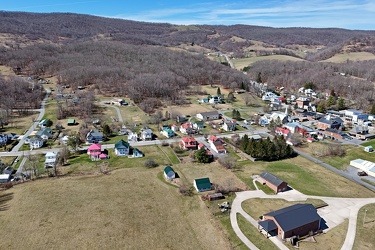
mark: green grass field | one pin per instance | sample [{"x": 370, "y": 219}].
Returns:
[
  {"x": 305, "y": 176},
  {"x": 365, "y": 239}
]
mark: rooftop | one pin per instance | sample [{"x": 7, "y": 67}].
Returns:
[{"x": 271, "y": 178}]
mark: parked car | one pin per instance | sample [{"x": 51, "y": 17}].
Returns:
[{"x": 361, "y": 173}]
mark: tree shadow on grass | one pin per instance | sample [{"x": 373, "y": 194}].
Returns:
[{"x": 4, "y": 198}]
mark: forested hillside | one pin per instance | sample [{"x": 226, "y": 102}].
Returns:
[{"x": 154, "y": 62}]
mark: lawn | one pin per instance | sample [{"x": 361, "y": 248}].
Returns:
[
  {"x": 127, "y": 209},
  {"x": 254, "y": 235},
  {"x": 365, "y": 238},
  {"x": 19, "y": 124},
  {"x": 369, "y": 143},
  {"x": 305, "y": 176},
  {"x": 352, "y": 153}
]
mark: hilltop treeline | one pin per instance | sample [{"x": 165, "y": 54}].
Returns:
[
  {"x": 216, "y": 37},
  {"x": 356, "y": 85},
  {"x": 114, "y": 68}
]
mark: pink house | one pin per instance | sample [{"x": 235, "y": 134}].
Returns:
[
  {"x": 94, "y": 151},
  {"x": 283, "y": 131}
]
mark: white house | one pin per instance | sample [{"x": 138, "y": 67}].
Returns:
[
  {"x": 132, "y": 137},
  {"x": 36, "y": 142},
  {"x": 208, "y": 116},
  {"x": 169, "y": 173},
  {"x": 51, "y": 158},
  {"x": 122, "y": 148},
  {"x": 146, "y": 134},
  {"x": 229, "y": 125}
]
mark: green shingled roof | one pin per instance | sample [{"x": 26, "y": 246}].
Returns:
[{"x": 167, "y": 169}]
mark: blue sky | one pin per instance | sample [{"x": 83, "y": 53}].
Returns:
[{"x": 349, "y": 14}]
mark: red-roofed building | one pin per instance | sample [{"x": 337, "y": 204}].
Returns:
[
  {"x": 213, "y": 138},
  {"x": 189, "y": 143},
  {"x": 282, "y": 131},
  {"x": 187, "y": 128},
  {"x": 217, "y": 144},
  {"x": 200, "y": 145},
  {"x": 94, "y": 151}
]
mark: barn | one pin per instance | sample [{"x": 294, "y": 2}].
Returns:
[
  {"x": 202, "y": 184},
  {"x": 274, "y": 182},
  {"x": 295, "y": 220},
  {"x": 169, "y": 173}
]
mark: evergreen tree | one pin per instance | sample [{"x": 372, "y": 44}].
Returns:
[
  {"x": 372, "y": 111},
  {"x": 218, "y": 92},
  {"x": 330, "y": 101},
  {"x": 230, "y": 97},
  {"x": 321, "y": 107},
  {"x": 238, "y": 115},
  {"x": 202, "y": 156},
  {"x": 332, "y": 93},
  {"x": 340, "y": 104},
  {"x": 234, "y": 114},
  {"x": 244, "y": 142},
  {"x": 107, "y": 130},
  {"x": 259, "y": 77}
]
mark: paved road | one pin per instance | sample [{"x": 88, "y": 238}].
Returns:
[
  {"x": 335, "y": 213},
  {"x": 36, "y": 122}
]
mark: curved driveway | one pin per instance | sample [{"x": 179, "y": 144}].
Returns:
[
  {"x": 335, "y": 213},
  {"x": 117, "y": 110}
]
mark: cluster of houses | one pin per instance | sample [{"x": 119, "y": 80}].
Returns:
[
  {"x": 40, "y": 137},
  {"x": 121, "y": 148},
  {"x": 7, "y": 138}
]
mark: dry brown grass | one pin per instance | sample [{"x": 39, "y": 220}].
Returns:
[
  {"x": 216, "y": 173},
  {"x": 351, "y": 56},
  {"x": 128, "y": 209},
  {"x": 6, "y": 71}
]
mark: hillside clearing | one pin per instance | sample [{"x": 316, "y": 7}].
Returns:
[
  {"x": 351, "y": 56},
  {"x": 240, "y": 63},
  {"x": 129, "y": 209}
]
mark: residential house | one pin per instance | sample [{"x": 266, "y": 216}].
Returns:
[
  {"x": 122, "y": 148},
  {"x": 296, "y": 220},
  {"x": 45, "y": 133},
  {"x": 132, "y": 137},
  {"x": 174, "y": 128},
  {"x": 229, "y": 125},
  {"x": 167, "y": 132},
  {"x": 65, "y": 139},
  {"x": 217, "y": 144},
  {"x": 36, "y": 142},
  {"x": 137, "y": 153},
  {"x": 283, "y": 131},
  {"x": 305, "y": 131},
  {"x": 264, "y": 121},
  {"x": 3, "y": 139},
  {"x": 51, "y": 159},
  {"x": 4, "y": 178},
  {"x": 274, "y": 182},
  {"x": 292, "y": 126},
  {"x": 302, "y": 102},
  {"x": 208, "y": 116},
  {"x": 215, "y": 99},
  {"x": 146, "y": 134},
  {"x": 202, "y": 184},
  {"x": 198, "y": 125},
  {"x": 94, "y": 151},
  {"x": 329, "y": 122},
  {"x": 187, "y": 128},
  {"x": 169, "y": 173},
  {"x": 94, "y": 136},
  {"x": 188, "y": 143},
  {"x": 43, "y": 123},
  {"x": 181, "y": 118}
]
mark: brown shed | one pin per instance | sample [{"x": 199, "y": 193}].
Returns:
[{"x": 274, "y": 182}]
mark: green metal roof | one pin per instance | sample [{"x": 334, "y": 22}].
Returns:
[
  {"x": 71, "y": 121},
  {"x": 168, "y": 169},
  {"x": 122, "y": 144},
  {"x": 203, "y": 183}
]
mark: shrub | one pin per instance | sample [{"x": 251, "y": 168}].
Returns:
[{"x": 150, "y": 163}]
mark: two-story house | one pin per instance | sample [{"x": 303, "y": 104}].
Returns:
[
  {"x": 146, "y": 134},
  {"x": 94, "y": 136},
  {"x": 122, "y": 148},
  {"x": 188, "y": 143}
]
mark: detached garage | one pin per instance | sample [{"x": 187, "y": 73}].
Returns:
[{"x": 274, "y": 182}]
